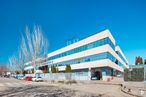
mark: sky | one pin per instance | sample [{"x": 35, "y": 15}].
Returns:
[{"x": 61, "y": 20}]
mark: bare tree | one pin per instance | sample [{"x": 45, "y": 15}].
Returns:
[
  {"x": 37, "y": 44},
  {"x": 29, "y": 42},
  {"x": 12, "y": 63},
  {"x": 21, "y": 61},
  {"x": 17, "y": 61},
  {"x": 33, "y": 46},
  {"x": 24, "y": 50}
]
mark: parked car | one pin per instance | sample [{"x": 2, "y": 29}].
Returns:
[
  {"x": 37, "y": 79},
  {"x": 96, "y": 75},
  {"x": 28, "y": 78},
  {"x": 23, "y": 78},
  {"x": 18, "y": 77}
]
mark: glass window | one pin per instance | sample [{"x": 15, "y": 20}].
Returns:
[
  {"x": 91, "y": 58},
  {"x": 85, "y": 47},
  {"x": 90, "y": 46}
]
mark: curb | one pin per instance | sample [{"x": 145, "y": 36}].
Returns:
[
  {"x": 129, "y": 92},
  {"x": 121, "y": 87}
]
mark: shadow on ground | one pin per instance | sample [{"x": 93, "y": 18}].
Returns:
[{"x": 44, "y": 91}]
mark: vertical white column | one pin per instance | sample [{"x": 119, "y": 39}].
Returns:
[{"x": 89, "y": 74}]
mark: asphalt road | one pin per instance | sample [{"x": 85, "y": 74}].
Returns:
[{"x": 17, "y": 88}]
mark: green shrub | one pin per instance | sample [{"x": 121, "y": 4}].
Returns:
[
  {"x": 68, "y": 69},
  {"x": 61, "y": 81},
  {"x": 53, "y": 69},
  {"x": 71, "y": 82}
]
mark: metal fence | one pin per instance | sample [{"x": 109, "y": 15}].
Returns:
[{"x": 64, "y": 76}]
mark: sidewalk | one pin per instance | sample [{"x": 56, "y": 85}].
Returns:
[
  {"x": 135, "y": 88},
  {"x": 100, "y": 88},
  {"x": 113, "y": 88}
]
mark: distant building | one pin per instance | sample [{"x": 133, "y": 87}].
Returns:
[
  {"x": 96, "y": 56},
  {"x": 3, "y": 69}
]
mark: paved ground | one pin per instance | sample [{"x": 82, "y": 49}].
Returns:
[
  {"x": 136, "y": 88},
  {"x": 20, "y": 88},
  {"x": 104, "y": 90}
]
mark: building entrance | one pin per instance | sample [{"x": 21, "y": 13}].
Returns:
[{"x": 96, "y": 75}]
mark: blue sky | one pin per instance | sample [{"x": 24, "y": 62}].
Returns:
[{"x": 61, "y": 20}]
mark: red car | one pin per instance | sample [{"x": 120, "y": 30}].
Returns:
[{"x": 28, "y": 78}]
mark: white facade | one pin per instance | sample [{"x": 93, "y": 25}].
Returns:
[
  {"x": 97, "y": 36},
  {"x": 102, "y": 49}
]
